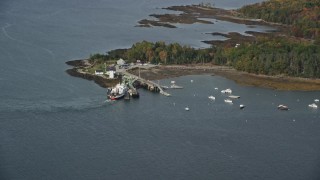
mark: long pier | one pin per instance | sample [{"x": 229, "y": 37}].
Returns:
[{"x": 150, "y": 84}]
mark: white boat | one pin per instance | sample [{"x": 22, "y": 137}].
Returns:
[
  {"x": 187, "y": 108},
  {"x": 283, "y": 107},
  {"x": 228, "y": 101},
  {"x": 164, "y": 87},
  {"x": 212, "y": 97},
  {"x": 216, "y": 88},
  {"x": 191, "y": 81},
  {"x": 174, "y": 86},
  {"x": 234, "y": 97},
  {"x": 313, "y": 105},
  {"x": 226, "y": 91},
  {"x": 316, "y": 100},
  {"x": 242, "y": 106}
]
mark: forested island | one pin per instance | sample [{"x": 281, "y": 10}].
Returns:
[{"x": 293, "y": 50}]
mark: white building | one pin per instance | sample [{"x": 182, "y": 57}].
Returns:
[
  {"x": 121, "y": 62},
  {"x": 111, "y": 74},
  {"x": 98, "y": 72}
]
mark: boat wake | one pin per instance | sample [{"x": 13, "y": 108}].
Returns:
[
  {"x": 52, "y": 105},
  {"x": 4, "y": 31}
]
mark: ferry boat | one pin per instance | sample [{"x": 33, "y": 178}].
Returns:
[{"x": 118, "y": 92}]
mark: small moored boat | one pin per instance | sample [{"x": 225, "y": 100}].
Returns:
[
  {"x": 313, "y": 105},
  {"x": 242, "y": 106},
  {"x": 212, "y": 97},
  {"x": 234, "y": 97},
  {"x": 164, "y": 87},
  {"x": 228, "y": 101},
  {"x": 174, "y": 86},
  {"x": 316, "y": 100},
  {"x": 283, "y": 107},
  {"x": 226, "y": 91},
  {"x": 187, "y": 108}
]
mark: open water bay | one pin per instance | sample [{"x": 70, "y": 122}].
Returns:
[{"x": 53, "y": 126}]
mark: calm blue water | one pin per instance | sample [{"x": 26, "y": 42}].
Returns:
[{"x": 53, "y": 126}]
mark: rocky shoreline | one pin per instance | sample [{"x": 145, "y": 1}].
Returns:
[
  {"x": 247, "y": 79},
  {"x": 76, "y": 71},
  {"x": 194, "y": 14},
  {"x": 170, "y": 71}
]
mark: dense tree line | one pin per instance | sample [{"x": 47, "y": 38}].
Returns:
[
  {"x": 303, "y": 15},
  {"x": 266, "y": 55},
  {"x": 158, "y": 52},
  {"x": 271, "y": 56}
]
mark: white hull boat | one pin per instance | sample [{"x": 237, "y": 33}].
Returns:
[
  {"x": 226, "y": 91},
  {"x": 212, "y": 97},
  {"x": 228, "y": 101},
  {"x": 313, "y": 105},
  {"x": 283, "y": 107}
]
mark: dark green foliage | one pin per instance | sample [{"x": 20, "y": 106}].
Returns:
[
  {"x": 303, "y": 15},
  {"x": 271, "y": 56},
  {"x": 157, "y": 52},
  {"x": 111, "y": 55}
]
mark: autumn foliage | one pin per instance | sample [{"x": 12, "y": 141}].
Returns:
[{"x": 302, "y": 15}]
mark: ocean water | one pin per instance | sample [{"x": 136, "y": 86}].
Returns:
[{"x": 53, "y": 126}]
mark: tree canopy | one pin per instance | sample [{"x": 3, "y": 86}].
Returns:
[
  {"x": 303, "y": 15},
  {"x": 271, "y": 56}
]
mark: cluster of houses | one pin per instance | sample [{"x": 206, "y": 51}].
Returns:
[
  {"x": 111, "y": 70},
  {"x": 110, "y": 73}
]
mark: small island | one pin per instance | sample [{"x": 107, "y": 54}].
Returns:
[{"x": 285, "y": 59}]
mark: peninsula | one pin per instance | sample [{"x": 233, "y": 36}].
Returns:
[{"x": 285, "y": 59}]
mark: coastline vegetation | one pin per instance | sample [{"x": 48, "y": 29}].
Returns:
[
  {"x": 302, "y": 15},
  {"x": 269, "y": 56},
  {"x": 296, "y": 54}
]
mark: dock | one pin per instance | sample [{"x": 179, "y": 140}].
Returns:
[{"x": 150, "y": 85}]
